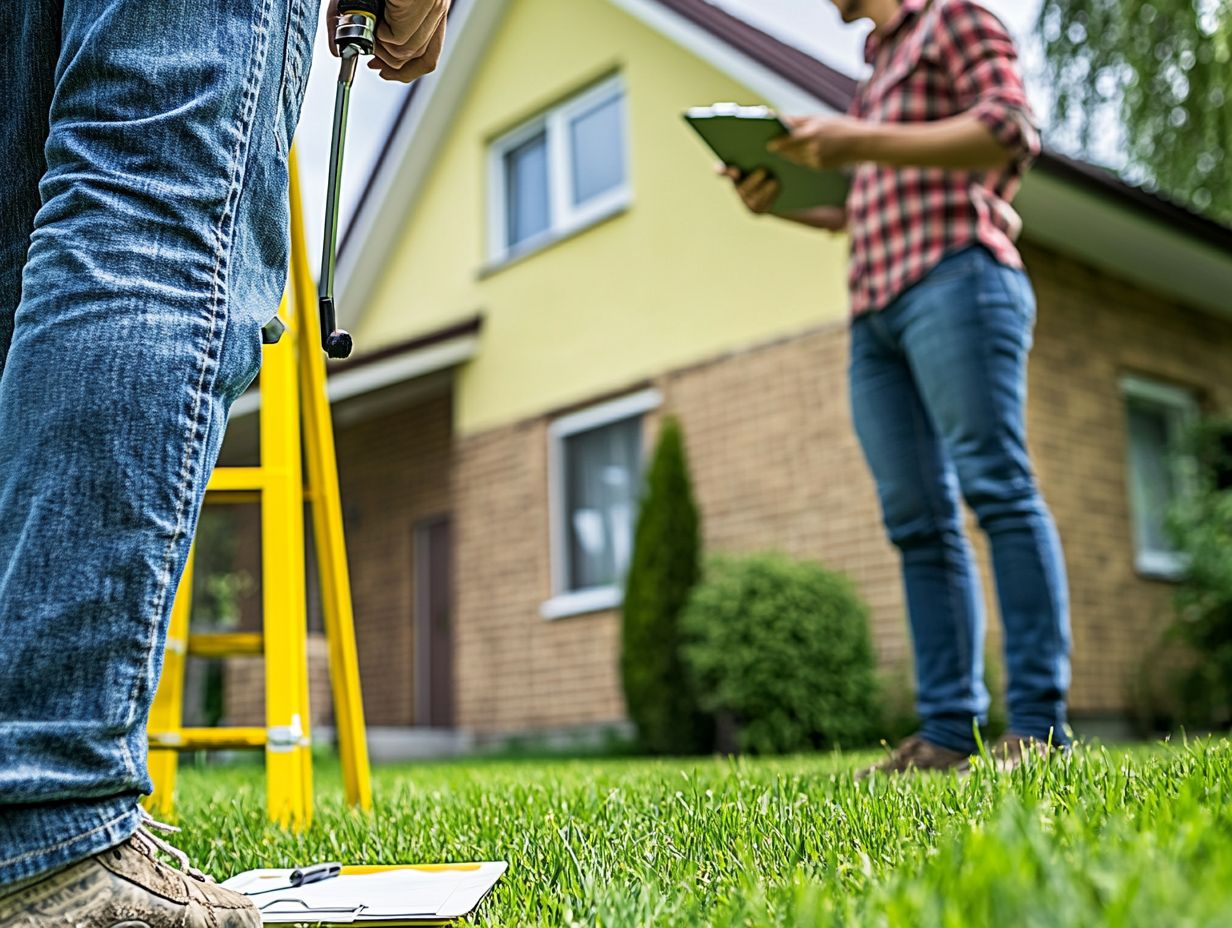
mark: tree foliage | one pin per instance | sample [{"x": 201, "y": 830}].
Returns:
[
  {"x": 665, "y": 566},
  {"x": 1201, "y": 524},
  {"x": 1163, "y": 70}
]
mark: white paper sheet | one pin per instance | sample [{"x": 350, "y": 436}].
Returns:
[{"x": 404, "y": 894}]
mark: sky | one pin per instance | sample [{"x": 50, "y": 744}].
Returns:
[{"x": 812, "y": 25}]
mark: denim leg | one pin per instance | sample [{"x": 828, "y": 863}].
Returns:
[
  {"x": 135, "y": 295},
  {"x": 919, "y": 501},
  {"x": 968, "y": 334}
]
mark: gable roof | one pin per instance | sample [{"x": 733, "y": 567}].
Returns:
[{"x": 787, "y": 77}]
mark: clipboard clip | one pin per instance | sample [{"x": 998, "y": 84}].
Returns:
[{"x": 311, "y": 909}]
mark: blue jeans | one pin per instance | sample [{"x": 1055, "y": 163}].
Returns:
[
  {"x": 938, "y": 393},
  {"x": 143, "y": 244}
]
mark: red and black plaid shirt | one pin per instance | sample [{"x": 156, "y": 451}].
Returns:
[{"x": 937, "y": 59}]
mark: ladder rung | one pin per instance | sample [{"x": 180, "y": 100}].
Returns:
[
  {"x": 196, "y": 739},
  {"x": 237, "y": 644},
  {"x": 236, "y": 480}
]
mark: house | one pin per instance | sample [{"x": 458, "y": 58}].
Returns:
[{"x": 546, "y": 266}]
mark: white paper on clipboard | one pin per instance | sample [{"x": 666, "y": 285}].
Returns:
[{"x": 397, "y": 895}]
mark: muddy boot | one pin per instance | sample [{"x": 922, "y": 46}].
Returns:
[{"x": 126, "y": 886}]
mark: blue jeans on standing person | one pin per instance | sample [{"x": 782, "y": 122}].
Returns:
[
  {"x": 143, "y": 244},
  {"x": 938, "y": 394}
]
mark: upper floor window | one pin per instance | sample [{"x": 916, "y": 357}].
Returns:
[
  {"x": 560, "y": 172},
  {"x": 1156, "y": 416}
]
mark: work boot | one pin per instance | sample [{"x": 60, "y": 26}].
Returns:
[
  {"x": 1011, "y": 751},
  {"x": 914, "y": 753},
  {"x": 126, "y": 886}
]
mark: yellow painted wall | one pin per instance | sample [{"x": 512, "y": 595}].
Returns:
[{"x": 685, "y": 274}]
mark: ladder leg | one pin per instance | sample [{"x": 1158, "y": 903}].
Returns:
[
  {"x": 287, "y": 755},
  {"x": 167, "y": 710},
  {"x": 327, "y": 524}
]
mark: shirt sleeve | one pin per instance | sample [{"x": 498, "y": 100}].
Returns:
[{"x": 982, "y": 62}]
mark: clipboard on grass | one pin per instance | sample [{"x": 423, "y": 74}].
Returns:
[
  {"x": 739, "y": 136},
  {"x": 424, "y": 894}
]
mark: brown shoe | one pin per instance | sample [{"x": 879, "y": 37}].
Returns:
[
  {"x": 914, "y": 753},
  {"x": 126, "y": 887},
  {"x": 1011, "y": 751}
]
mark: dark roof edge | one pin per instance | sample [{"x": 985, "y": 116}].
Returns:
[{"x": 832, "y": 87}]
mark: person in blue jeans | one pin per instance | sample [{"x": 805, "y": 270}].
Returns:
[
  {"x": 143, "y": 246},
  {"x": 937, "y": 139}
]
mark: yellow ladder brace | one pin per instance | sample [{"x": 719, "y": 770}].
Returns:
[{"x": 292, "y": 385}]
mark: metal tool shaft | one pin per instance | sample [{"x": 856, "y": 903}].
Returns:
[{"x": 336, "y": 342}]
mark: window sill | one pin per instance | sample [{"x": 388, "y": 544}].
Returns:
[
  {"x": 551, "y": 241},
  {"x": 1160, "y": 566},
  {"x": 582, "y": 602}
]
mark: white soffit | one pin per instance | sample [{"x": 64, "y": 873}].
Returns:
[
  {"x": 1129, "y": 242},
  {"x": 375, "y": 375}
]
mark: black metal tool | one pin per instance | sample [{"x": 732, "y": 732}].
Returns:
[
  {"x": 354, "y": 35},
  {"x": 303, "y": 876}
]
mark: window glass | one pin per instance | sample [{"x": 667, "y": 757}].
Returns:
[
  {"x": 602, "y": 473},
  {"x": 597, "y": 148},
  {"x": 1152, "y": 476},
  {"x": 527, "y": 206}
]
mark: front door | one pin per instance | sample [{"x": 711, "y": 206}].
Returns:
[{"x": 433, "y": 635}]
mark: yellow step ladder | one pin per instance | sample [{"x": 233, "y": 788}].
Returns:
[{"x": 292, "y": 386}]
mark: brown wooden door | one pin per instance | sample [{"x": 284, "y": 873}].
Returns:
[{"x": 433, "y": 621}]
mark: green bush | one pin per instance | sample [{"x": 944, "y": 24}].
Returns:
[
  {"x": 664, "y": 567},
  {"x": 1202, "y": 528},
  {"x": 781, "y": 650}
]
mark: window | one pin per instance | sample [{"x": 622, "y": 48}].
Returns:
[
  {"x": 1156, "y": 417},
  {"x": 559, "y": 173},
  {"x": 594, "y": 482}
]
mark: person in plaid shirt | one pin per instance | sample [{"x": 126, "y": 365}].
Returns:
[{"x": 937, "y": 139}]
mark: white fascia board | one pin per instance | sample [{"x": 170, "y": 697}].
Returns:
[
  {"x": 385, "y": 373},
  {"x": 417, "y": 139},
  {"x": 400, "y": 368},
  {"x": 771, "y": 88},
  {"x": 1128, "y": 243}
]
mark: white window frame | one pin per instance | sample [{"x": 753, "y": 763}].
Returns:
[
  {"x": 565, "y": 602},
  {"x": 1154, "y": 563},
  {"x": 566, "y": 219}
]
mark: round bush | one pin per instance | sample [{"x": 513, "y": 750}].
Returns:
[{"x": 782, "y": 650}]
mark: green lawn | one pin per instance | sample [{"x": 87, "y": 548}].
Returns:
[{"x": 1106, "y": 837}]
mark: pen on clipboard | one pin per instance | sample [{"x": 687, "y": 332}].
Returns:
[{"x": 302, "y": 876}]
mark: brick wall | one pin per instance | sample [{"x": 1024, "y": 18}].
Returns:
[
  {"x": 244, "y": 693},
  {"x": 776, "y": 465},
  {"x": 515, "y": 670},
  {"x": 1093, "y": 330},
  {"x": 395, "y": 471}
]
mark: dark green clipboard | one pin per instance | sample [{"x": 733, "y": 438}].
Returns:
[{"x": 739, "y": 136}]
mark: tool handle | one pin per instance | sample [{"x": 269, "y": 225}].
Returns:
[
  {"x": 315, "y": 874},
  {"x": 374, "y": 8}
]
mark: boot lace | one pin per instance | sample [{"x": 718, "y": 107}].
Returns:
[{"x": 153, "y": 844}]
